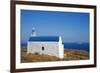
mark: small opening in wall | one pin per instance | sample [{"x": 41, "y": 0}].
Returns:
[{"x": 42, "y": 48}]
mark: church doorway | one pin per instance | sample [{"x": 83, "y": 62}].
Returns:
[{"x": 42, "y": 48}]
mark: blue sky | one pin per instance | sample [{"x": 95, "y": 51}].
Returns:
[{"x": 72, "y": 26}]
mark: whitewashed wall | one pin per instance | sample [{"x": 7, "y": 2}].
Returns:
[
  {"x": 50, "y": 48},
  {"x": 61, "y": 48},
  {"x": 61, "y": 51}
]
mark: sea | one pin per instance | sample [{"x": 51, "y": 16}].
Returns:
[{"x": 78, "y": 46}]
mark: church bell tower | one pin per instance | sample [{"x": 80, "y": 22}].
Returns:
[{"x": 33, "y": 33}]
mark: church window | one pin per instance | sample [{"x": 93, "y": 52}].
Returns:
[{"x": 42, "y": 48}]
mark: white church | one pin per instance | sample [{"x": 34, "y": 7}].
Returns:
[{"x": 50, "y": 45}]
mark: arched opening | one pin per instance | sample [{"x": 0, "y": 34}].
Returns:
[{"x": 42, "y": 48}]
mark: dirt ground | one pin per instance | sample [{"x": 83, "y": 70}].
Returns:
[{"x": 68, "y": 55}]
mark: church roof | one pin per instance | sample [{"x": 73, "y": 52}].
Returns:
[{"x": 45, "y": 38}]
